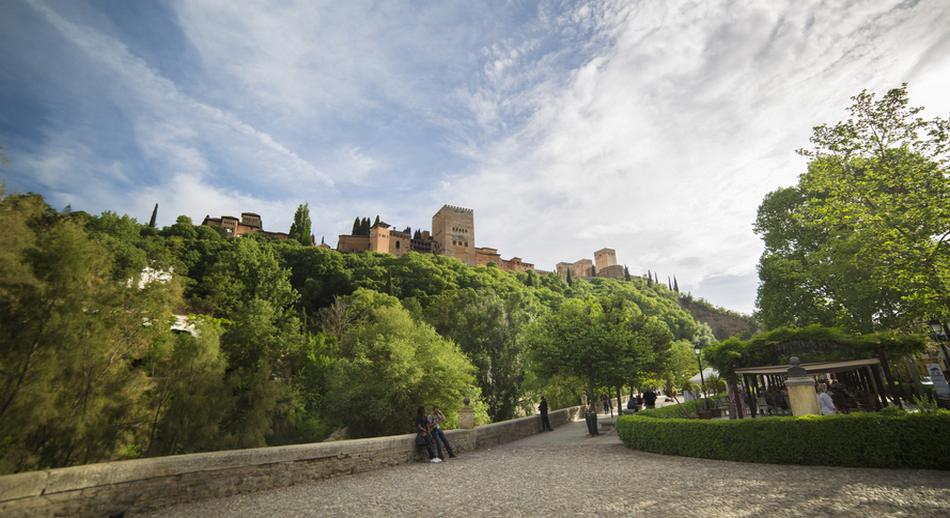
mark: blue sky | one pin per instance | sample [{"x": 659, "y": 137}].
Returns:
[{"x": 654, "y": 128}]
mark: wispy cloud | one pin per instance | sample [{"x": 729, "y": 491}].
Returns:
[{"x": 654, "y": 128}]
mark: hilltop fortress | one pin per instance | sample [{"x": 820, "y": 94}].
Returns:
[{"x": 452, "y": 234}]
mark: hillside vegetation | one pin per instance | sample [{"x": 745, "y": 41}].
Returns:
[{"x": 292, "y": 341}]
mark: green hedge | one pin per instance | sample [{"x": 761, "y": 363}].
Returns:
[
  {"x": 684, "y": 409},
  {"x": 866, "y": 440}
]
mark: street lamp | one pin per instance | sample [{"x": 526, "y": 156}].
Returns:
[{"x": 700, "y": 343}]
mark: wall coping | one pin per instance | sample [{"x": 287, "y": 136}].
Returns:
[{"x": 75, "y": 478}]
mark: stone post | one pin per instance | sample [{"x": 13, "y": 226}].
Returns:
[
  {"x": 466, "y": 416},
  {"x": 802, "y": 397}
]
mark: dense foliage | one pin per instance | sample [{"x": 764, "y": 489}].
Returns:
[
  {"x": 862, "y": 241},
  {"x": 882, "y": 440},
  {"x": 290, "y": 342}
]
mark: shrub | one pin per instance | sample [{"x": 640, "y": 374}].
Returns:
[
  {"x": 686, "y": 409},
  {"x": 865, "y": 440}
]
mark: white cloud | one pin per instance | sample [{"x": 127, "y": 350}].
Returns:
[{"x": 663, "y": 143}]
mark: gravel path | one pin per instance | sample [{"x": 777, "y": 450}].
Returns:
[{"x": 566, "y": 473}]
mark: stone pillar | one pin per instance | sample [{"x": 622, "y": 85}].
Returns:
[
  {"x": 802, "y": 397},
  {"x": 466, "y": 416}
]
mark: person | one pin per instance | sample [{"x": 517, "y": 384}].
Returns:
[
  {"x": 841, "y": 396},
  {"x": 545, "y": 420},
  {"x": 649, "y": 398},
  {"x": 632, "y": 404},
  {"x": 423, "y": 438},
  {"x": 825, "y": 404},
  {"x": 438, "y": 436}
]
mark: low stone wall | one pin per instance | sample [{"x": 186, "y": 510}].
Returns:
[{"x": 143, "y": 484}]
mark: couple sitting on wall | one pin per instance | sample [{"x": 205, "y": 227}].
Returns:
[{"x": 428, "y": 429}]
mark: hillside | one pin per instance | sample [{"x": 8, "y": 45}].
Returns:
[{"x": 724, "y": 323}]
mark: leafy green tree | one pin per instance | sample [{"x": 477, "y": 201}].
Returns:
[
  {"x": 387, "y": 364},
  {"x": 71, "y": 336},
  {"x": 861, "y": 241},
  {"x": 489, "y": 330},
  {"x": 602, "y": 347},
  {"x": 300, "y": 230},
  {"x": 189, "y": 398}
]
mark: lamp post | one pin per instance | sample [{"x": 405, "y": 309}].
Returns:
[{"x": 700, "y": 343}]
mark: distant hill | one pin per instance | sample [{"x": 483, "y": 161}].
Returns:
[{"x": 724, "y": 323}]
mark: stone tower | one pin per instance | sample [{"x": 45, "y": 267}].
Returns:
[
  {"x": 453, "y": 231},
  {"x": 605, "y": 257}
]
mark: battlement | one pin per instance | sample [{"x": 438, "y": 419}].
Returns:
[{"x": 456, "y": 208}]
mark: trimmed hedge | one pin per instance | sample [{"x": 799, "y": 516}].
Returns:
[
  {"x": 860, "y": 439},
  {"x": 685, "y": 409}
]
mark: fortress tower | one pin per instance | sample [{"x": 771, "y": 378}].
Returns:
[
  {"x": 605, "y": 257},
  {"x": 453, "y": 233}
]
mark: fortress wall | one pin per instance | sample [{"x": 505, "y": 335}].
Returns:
[{"x": 143, "y": 484}]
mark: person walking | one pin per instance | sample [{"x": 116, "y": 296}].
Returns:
[
  {"x": 423, "y": 438},
  {"x": 545, "y": 421},
  {"x": 826, "y": 405},
  {"x": 438, "y": 436},
  {"x": 606, "y": 402}
]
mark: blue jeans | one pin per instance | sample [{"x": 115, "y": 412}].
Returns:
[{"x": 438, "y": 436}]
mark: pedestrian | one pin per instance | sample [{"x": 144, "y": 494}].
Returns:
[
  {"x": 438, "y": 436},
  {"x": 632, "y": 404},
  {"x": 545, "y": 421},
  {"x": 423, "y": 438},
  {"x": 825, "y": 404},
  {"x": 649, "y": 398},
  {"x": 606, "y": 402}
]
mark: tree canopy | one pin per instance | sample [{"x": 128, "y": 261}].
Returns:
[{"x": 861, "y": 241}]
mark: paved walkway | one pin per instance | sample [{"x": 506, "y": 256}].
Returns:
[{"x": 566, "y": 473}]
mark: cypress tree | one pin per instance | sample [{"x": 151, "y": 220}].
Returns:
[
  {"x": 593, "y": 271},
  {"x": 626, "y": 273},
  {"x": 570, "y": 281},
  {"x": 668, "y": 283},
  {"x": 356, "y": 227},
  {"x": 649, "y": 279},
  {"x": 376, "y": 221},
  {"x": 151, "y": 221},
  {"x": 300, "y": 229},
  {"x": 676, "y": 285}
]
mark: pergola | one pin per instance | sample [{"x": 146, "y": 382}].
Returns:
[{"x": 865, "y": 375}]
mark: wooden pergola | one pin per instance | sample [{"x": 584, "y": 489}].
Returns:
[{"x": 865, "y": 375}]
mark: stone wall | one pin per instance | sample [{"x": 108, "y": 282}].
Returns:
[{"x": 143, "y": 484}]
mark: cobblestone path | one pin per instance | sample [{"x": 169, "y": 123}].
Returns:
[{"x": 565, "y": 473}]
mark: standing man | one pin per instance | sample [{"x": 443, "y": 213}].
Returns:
[
  {"x": 649, "y": 398},
  {"x": 545, "y": 422}
]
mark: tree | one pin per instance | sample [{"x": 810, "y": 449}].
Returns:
[
  {"x": 676, "y": 285},
  {"x": 862, "y": 240},
  {"x": 602, "y": 344},
  {"x": 300, "y": 229},
  {"x": 151, "y": 221},
  {"x": 389, "y": 364},
  {"x": 71, "y": 337},
  {"x": 489, "y": 330},
  {"x": 356, "y": 227},
  {"x": 649, "y": 279},
  {"x": 626, "y": 273},
  {"x": 569, "y": 280}
]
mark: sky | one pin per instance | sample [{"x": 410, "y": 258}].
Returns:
[{"x": 653, "y": 128}]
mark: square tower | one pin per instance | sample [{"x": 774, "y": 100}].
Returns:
[
  {"x": 453, "y": 233},
  {"x": 605, "y": 257}
]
